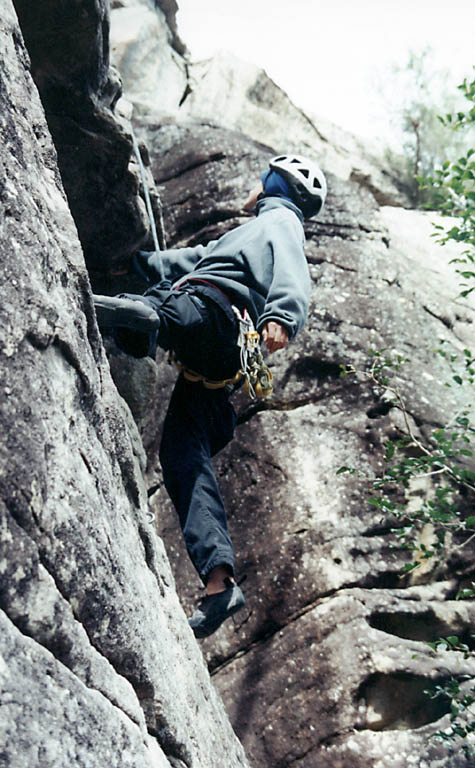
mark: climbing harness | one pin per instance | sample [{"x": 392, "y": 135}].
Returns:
[
  {"x": 194, "y": 377},
  {"x": 256, "y": 374},
  {"x": 158, "y": 245}
]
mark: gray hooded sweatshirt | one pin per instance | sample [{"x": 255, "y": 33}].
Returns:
[{"x": 260, "y": 265}]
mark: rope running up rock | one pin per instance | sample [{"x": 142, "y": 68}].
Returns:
[{"x": 162, "y": 244}]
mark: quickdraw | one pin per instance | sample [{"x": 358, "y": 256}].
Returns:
[{"x": 256, "y": 374}]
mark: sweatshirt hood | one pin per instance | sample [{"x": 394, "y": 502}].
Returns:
[{"x": 270, "y": 203}]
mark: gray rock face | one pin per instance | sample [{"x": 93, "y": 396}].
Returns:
[
  {"x": 329, "y": 663},
  {"x": 69, "y": 48},
  {"x": 146, "y": 49},
  {"x": 241, "y": 96},
  {"x": 342, "y": 661},
  {"x": 98, "y": 664},
  {"x": 233, "y": 94}
]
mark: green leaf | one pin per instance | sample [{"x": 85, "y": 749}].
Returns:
[
  {"x": 375, "y": 502},
  {"x": 465, "y": 594},
  {"x": 470, "y": 522},
  {"x": 390, "y": 450},
  {"x": 454, "y": 708}
]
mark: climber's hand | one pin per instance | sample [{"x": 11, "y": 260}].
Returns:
[{"x": 274, "y": 336}]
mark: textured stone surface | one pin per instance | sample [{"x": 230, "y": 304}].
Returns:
[
  {"x": 243, "y": 97},
  {"x": 98, "y": 664},
  {"x": 191, "y": 165},
  {"x": 148, "y": 54},
  {"x": 68, "y": 44},
  {"x": 51, "y": 718},
  {"x": 329, "y": 663},
  {"x": 233, "y": 94},
  {"x": 320, "y": 666},
  {"x": 286, "y": 712}
]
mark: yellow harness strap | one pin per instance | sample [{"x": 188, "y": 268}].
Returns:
[{"x": 208, "y": 383}]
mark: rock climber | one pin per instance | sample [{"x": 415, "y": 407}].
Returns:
[{"x": 258, "y": 271}]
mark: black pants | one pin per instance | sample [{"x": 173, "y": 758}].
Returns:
[
  {"x": 199, "y": 325},
  {"x": 198, "y": 424}
]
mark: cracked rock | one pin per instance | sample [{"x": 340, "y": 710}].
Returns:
[
  {"x": 98, "y": 665},
  {"x": 303, "y": 533}
]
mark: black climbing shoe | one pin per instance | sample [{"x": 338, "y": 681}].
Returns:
[
  {"x": 214, "y": 609},
  {"x": 123, "y": 312}
]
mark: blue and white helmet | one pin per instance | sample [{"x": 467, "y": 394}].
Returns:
[{"x": 306, "y": 180}]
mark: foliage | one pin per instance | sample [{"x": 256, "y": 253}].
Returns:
[
  {"x": 444, "y": 456},
  {"x": 453, "y": 193},
  {"x": 418, "y": 91},
  {"x": 408, "y": 459},
  {"x": 461, "y": 699}
]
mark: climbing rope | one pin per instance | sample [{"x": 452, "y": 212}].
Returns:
[{"x": 158, "y": 245}]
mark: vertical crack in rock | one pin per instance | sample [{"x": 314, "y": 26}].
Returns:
[
  {"x": 150, "y": 556},
  {"x": 69, "y": 49},
  {"x": 275, "y": 404},
  {"x": 188, "y": 87}
]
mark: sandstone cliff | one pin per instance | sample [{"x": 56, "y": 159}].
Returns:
[
  {"x": 98, "y": 665},
  {"x": 329, "y": 665}
]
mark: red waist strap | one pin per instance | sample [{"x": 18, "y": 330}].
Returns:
[{"x": 205, "y": 282}]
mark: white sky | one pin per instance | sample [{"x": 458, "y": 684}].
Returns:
[{"x": 326, "y": 55}]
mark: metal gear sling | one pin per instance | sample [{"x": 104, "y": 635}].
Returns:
[{"x": 257, "y": 376}]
